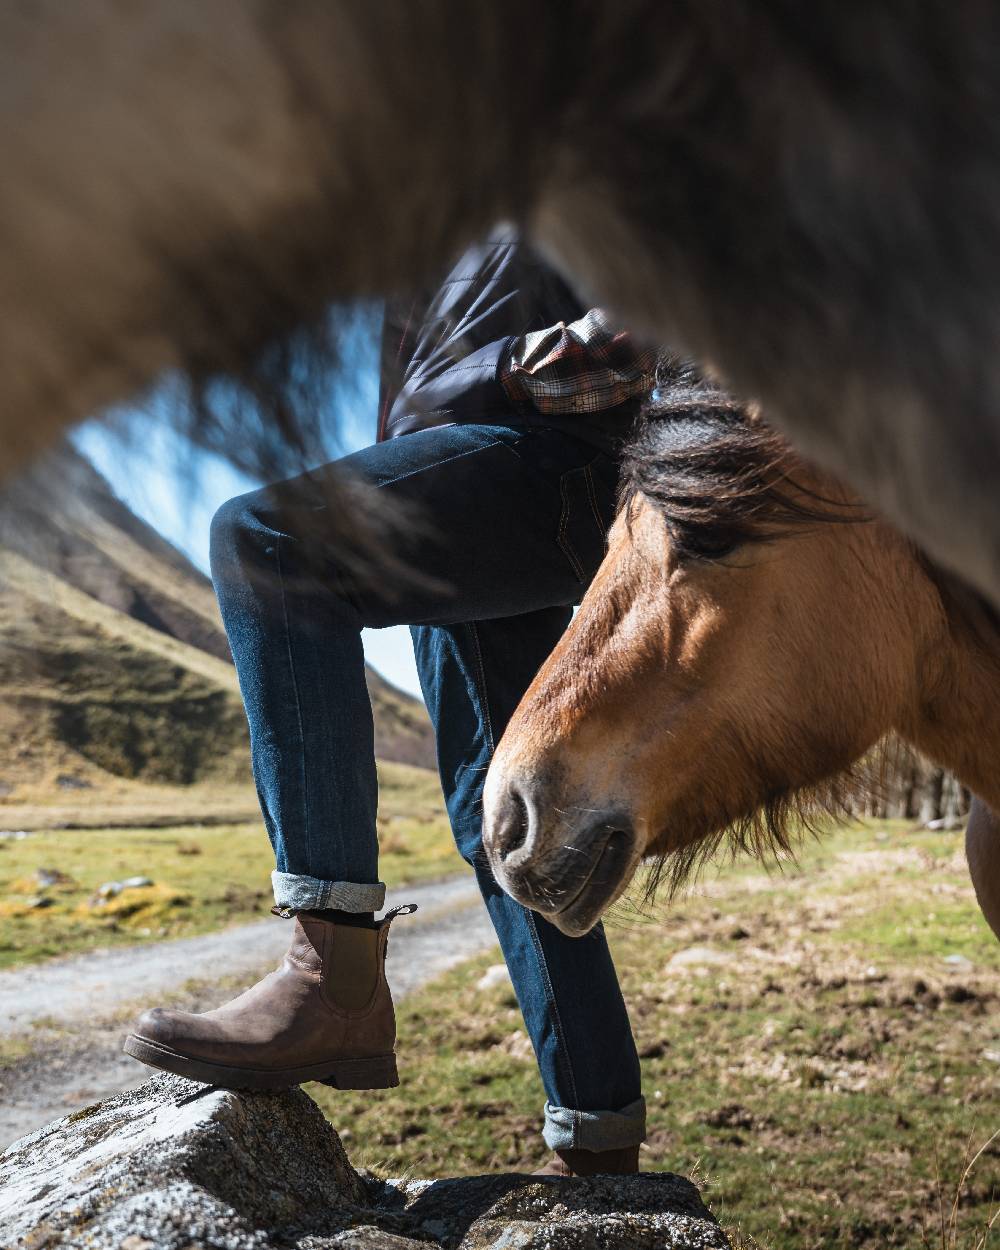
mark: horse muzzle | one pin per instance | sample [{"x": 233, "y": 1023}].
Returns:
[{"x": 568, "y": 864}]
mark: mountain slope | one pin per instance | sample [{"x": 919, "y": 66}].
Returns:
[{"x": 113, "y": 660}]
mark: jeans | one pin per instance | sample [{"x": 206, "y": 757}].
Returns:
[{"x": 513, "y": 527}]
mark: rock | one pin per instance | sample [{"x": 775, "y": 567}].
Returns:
[
  {"x": 945, "y": 824},
  {"x": 106, "y": 890},
  {"x": 698, "y": 957},
  {"x": 176, "y": 1165},
  {"x": 959, "y": 962},
  {"x": 14, "y": 835},
  {"x": 111, "y": 889},
  {"x": 495, "y": 975},
  {"x": 47, "y": 877},
  {"x": 67, "y": 782},
  {"x": 38, "y": 900}
]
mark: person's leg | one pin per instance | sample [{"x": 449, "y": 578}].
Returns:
[
  {"x": 517, "y": 527},
  {"x": 513, "y": 523},
  {"x": 473, "y": 676}
]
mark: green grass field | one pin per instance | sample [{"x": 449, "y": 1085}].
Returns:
[
  {"x": 820, "y": 1048},
  {"x": 205, "y": 876}
]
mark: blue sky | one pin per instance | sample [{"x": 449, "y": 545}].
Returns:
[{"x": 177, "y": 490}]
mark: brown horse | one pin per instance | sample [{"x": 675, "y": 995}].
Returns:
[{"x": 750, "y": 637}]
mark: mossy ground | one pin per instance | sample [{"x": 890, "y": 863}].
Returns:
[
  {"x": 205, "y": 876},
  {"x": 820, "y": 1046}
]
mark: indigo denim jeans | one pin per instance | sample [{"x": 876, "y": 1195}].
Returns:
[{"x": 513, "y": 524}]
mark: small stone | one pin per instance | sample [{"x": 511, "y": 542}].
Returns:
[
  {"x": 134, "y": 1242},
  {"x": 66, "y": 782},
  {"x": 51, "y": 876},
  {"x": 136, "y": 883},
  {"x": 38, "y": 901},
  {"x": 14, "y": 835},
  {"x": 958, "y": 961},
  {"x": 106, "y": 890},
  {"x": 698, "y": 956},
  {"x": 518, "y": 1046},
  {"x": 495, "y": 975}
]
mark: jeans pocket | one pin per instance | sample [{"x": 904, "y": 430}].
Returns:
[{"x": 583, "y": 525}]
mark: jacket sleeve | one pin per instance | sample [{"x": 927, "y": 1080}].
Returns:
[{"x": 585, "y": 366}]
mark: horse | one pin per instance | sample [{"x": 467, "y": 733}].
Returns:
[
  {"x": 752, "y": 636},
  {"x": 806, "y": 198}
]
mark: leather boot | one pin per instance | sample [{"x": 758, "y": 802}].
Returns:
[
  {"x": 623, "y": 1162},
  {"x": 325, "y": 1014}
]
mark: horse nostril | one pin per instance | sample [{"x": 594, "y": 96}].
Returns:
[
  {"x": 515, "y": 830},
  {"x": 508, "y": 831}
]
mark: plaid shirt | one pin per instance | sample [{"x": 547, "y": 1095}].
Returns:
[{"x": 587, "y": 366}]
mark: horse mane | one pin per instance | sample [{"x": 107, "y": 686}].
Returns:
[{"x": 721, "y": 478}]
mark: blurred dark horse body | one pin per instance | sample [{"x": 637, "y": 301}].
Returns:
[{"x": 805, "y": 197}]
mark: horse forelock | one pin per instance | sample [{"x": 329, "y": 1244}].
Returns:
[{"x": 718, "y": 475}]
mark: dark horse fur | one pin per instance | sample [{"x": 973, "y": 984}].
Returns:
[{"x": 806, "y": 197}]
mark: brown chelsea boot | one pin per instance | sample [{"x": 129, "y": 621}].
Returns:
[
  {"x": 325, "y": 1014},
  {"x": 623, "y": 1162}
]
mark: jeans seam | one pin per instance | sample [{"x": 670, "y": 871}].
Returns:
[
  {"x": 481, "y": 683},
  {"x": 592, "y": 495},
  {"x": 550, "y": 996},
  {"x": 298, "y": 704},
  {"x": 563, "y": 523}
]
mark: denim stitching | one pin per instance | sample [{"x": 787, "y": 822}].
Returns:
[
  {"x": 562, "y": 539},
  {"x": 298, "y": 704},
  {"x": 592, "y": 493},
  {"x": 553, "y": 1005},
  {"x": 481, "y": 683}
]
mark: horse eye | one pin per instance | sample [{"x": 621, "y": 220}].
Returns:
[{"x": 707, "y": 544}]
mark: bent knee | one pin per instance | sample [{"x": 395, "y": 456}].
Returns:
[{"x": 236, "y": 528}]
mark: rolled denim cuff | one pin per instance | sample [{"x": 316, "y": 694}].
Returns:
[
  {"x": 309, "y": 893},
  {"x": 566, "y": 1129}
]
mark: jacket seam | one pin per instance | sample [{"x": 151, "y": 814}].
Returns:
[{"x": 459, "y": 455}]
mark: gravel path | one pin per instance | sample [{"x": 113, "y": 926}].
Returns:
[{"x": 76, "y": 1010}]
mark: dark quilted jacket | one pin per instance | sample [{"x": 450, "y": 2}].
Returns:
[{"x": 441, "y": 352}]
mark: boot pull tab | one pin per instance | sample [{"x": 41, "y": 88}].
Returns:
[{"x": 407, "y": 909}]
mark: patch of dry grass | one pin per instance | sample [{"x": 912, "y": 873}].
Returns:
[
  {"x": 205, "y": 876},
  {"x": 822, "y": 1044}
]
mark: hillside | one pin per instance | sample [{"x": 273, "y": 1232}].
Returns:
[{"x": 113, "y": 661}]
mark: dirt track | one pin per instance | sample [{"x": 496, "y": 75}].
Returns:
[{"x": 77, "y": 1010}]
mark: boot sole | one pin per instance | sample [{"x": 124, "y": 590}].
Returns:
[{"x": 375, "y": 1073}]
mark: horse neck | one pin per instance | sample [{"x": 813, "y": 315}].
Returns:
[{"x": 958, "y": 722}]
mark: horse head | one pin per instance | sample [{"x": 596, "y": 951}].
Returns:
[{"x": 751, "y": 634}]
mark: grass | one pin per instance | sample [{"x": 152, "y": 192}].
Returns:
[
  {"x": 827, "y": 1067},
  {"x": 205, "y": 877}
]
